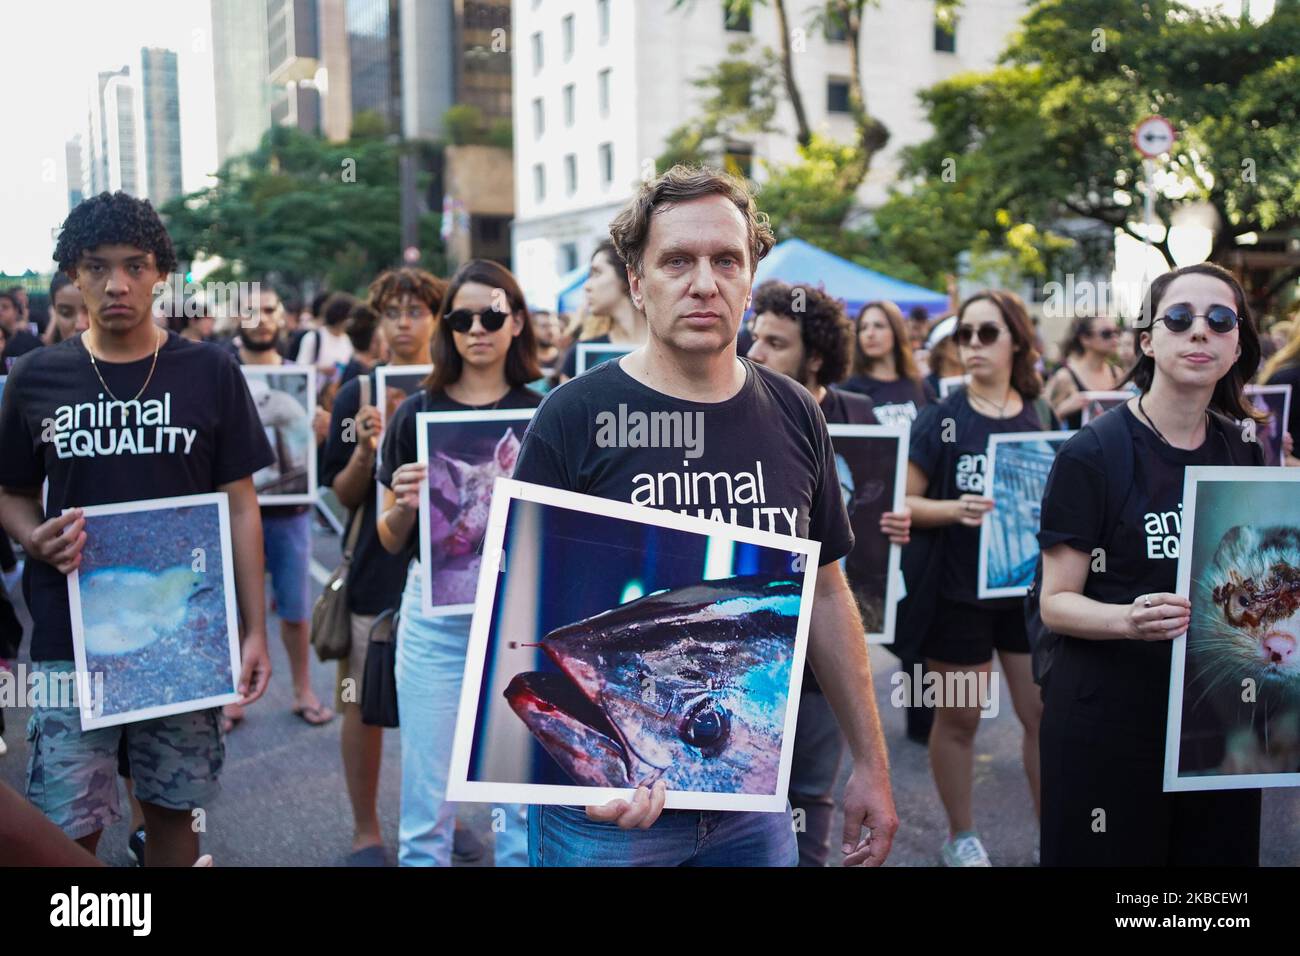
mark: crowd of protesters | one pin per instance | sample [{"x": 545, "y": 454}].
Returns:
[{"x": 673, "y": 286}]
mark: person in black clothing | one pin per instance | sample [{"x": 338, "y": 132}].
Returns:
[
  {"x": 18, "y": 340},
  {"x": 608, "y": 294},
  {"x": 1284, "y": 369},
  {"x": 408, "y": 302},
  {"x": 802, "y": 332},
  {"x": 947, "y": 491},
  {"x": 1107, "y": 692},
  {"x": 484, "y": 356},
  {"x": 187, "y": 426},
  {"x": 883, "y": 367},
  {"x": 369, "y": 348},
  {"x": 1088, "y": 364}
]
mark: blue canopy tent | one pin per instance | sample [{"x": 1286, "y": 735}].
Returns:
[
  {"x": 570, "y": 295},
  {"x": 797, "y": 261}
]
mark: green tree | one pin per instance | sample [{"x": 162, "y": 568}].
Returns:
[{"x": 303, "y": 210}]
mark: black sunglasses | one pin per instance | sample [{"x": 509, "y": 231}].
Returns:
[
  {"x": 462, "y": 320},
  {"x": 988, "y": 333},
  {"x": 1220, "y": 318},
  {"x": 1105, "y": 334}
]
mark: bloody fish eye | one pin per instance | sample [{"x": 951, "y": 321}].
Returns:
[
  {"x": 707, "y": 726},
  {"x": 1243, "y": 600}
]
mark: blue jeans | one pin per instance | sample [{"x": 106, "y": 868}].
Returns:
[
  {"x": 430, "y": 665},
  {"x": 564, "y": 836}
]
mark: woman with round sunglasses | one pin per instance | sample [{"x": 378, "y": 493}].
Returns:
[
  {"x": 1110, "y": 545},
  {"x": 948, "y": 493},
  {"x": 1088, "y": 365},
  {"x": 484, "y": 356},
  {"x": 609, "y": 294},
  {"x": 883, "y": 367}
]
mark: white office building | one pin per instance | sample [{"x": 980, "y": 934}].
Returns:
[{"x": 599, "y": 85}]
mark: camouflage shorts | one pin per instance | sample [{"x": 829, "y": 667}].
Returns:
[{"x": 72, "y": 774}]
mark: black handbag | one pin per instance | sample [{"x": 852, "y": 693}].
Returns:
[{"x": 379, "y": 680}]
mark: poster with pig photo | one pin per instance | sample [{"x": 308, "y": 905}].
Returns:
[
  {"x": 871, "y": 462},
  {"x": 465, "y": 453},
  {"x": 285, "y": 397},
  {"x": 615, "y": 645},
  {"x": 394, "y": 384}
]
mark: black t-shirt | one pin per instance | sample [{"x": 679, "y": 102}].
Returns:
[
  {"x": 1141, "y": 550},
  {"x": 847, "y": 408},
  {"x": 18, "y": 344},
  {"x": 760, "y": 459},
  {"x": 570, "y": 368},
  {"x": 897, "y": 402},
  {"x": 196, "y": 429},
  {"x": 951, "y": 438},
  {"x": 400, "y": 435},
  {"x": 1290, "y": 375}
]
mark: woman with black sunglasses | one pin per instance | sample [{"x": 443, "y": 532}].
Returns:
[
  {"x": 1088, "y": 365},
  {"x": 1110, "y": 532},
  {"x": 484, "y": 355},
  {"x": 948, "y": 494}
]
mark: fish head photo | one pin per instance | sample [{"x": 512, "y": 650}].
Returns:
[
  {"x": 686, "y": 685},
  {"x": 613, "y": 652}
]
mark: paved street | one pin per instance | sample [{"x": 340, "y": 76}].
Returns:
[{"x": 283, "y": 801}]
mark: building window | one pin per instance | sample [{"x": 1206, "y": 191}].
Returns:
[
  {"x": 566, "y": 31},
  {"x": 737, "y": 20},
  {"x": 945, "y": 37},
  {"x": 602, "y": 20},
  {"x": 571, "y": 174},
  {"x": 602, "y": 91},
  {"x": 834, "y": 29},
  {"x": 739, "y": 160},
  {"x": 539, "y": 182},
  {"x": 568, "y": 257},
  {"x": 538, "y": 52},
  {"x": 837, "y": 95},
  {"x": 569, "y": 98},
  {"x": 539, "y": 118},
  {"x": 606, "y": 163}
]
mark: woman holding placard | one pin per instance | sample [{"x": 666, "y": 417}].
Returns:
[
  {"x": 1087, "y": 365},
  {"x": 1109, "y": 572}
]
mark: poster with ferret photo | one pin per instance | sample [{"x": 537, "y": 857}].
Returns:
[{"x": 1234, "y": 699}]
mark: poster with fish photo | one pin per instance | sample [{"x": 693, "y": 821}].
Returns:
[
  {"x": 614, "y": 645},
  {"x": 1275, "y": 400},
  {"x": 1234, "y": 688},
  {"x": 871, "y": 462},
  {"x": 591, "y": 354},
  {"x": 1018, "y": 466},
  {"x": 285, "y": 397},
  {"x": 465, "y": 453},
  {"x": 394, "y": 384},
  {"x": 153, "y": 609},
  {"x": 1102, "y": 402}
]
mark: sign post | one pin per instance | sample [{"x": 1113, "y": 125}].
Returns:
[{"x": 1152, "y": 137}]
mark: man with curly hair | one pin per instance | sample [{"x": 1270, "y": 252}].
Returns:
[
  {"x": 802, "y": 332},
  {"x": 121, "y": 412},
  {"x": 691, "y": 240}
]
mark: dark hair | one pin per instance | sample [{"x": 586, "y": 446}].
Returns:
[
  {"x": 395, "y": 283},
  {"x": 361, "y": 327},
  {"x": 113, "y": 219},
  {"x": 1024, "y": 377},
  {"x": 904, "y": 364},
  {"x": 606, "y": 248},
  {"x": 337, "y": 308},
  {"x": 13, "y": 300},
  {"x": 918, "y": 313},
  {"x": 823, "y": 326},
  {"x": 60, "y": 281},
  {"x": 630, "y": 230},
  {"x": 1072, "y": 344},
  {"x": 521, "y": 359},
  {"x": 1228, "y": 398},
  {"x": 318, "y": 303}
]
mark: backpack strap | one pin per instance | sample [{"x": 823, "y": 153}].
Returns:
[{"x": 1117, "y": 454}]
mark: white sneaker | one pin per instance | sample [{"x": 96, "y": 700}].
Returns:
[
  {"x": 3, "y": 749},
  {"x": 965, "y": 849}
]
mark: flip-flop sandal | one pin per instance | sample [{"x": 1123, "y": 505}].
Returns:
[{"x": 312, "y": 715}]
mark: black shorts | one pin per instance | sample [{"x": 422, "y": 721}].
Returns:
[{"x": 968, "y": 633}]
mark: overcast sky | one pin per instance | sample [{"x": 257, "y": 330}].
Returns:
[{"x": 53, "y": 51}]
